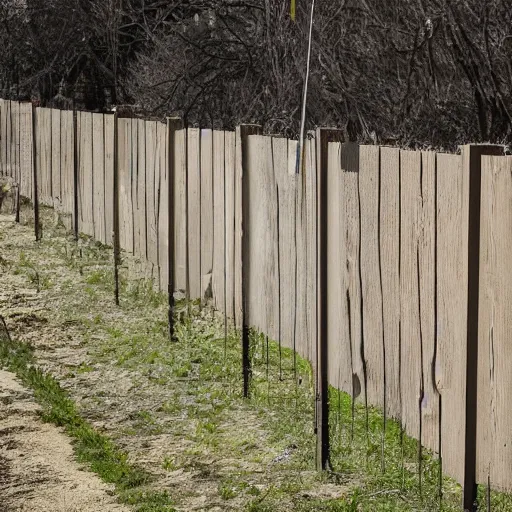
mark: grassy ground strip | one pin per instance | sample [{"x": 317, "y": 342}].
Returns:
[
  {"x": 91, "y": 447},
  {"x": 167, "y": 421}
]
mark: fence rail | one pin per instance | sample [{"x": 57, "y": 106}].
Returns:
[{"x": 410, "y": 250}]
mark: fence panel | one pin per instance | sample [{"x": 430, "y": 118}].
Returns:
[
  {"x": 219, "y": 222},
  {"x": 44, "y": 145},
  {"x": 26, "y": 150},
  {"x": 285, "y": 243},
  {"x": 152, "y": 172},
  {"x": 206, "y": 209},
  {"x": 494, "y": 449},
  {"x": 162, "y": 198},
  {"x": 229, "y": 183},
  {"x": 194, "y": 211},
  {"x": 109, "y": 127},
  {"x": 180, "y": 209},
  {"x": 452, "y": 274},
  {"x": 339, "y": 366},
  {"x": 390, "y": 272},
  {"x": 261, "y": 224},
  {"x": 55, "y": 158},
  {"x": 126, "y": 169},
  {"x": 98, "y": 169},
  {"x": 139, "y": 188},
  {"x": 371, "y": 279}
]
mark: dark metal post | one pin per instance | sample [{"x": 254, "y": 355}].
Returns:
[
  {"x": 472, "y": 157},
  {"x": 173, "y": 124},
  {"x": 323, "y": 137},
  {"x": 34, "y": 167},
  {"x": 242, "y": 133}
]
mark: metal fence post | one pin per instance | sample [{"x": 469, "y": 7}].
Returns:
[
  {"x": 242, "y": 134},
  {"x": 173, "y": 124},
  {"x": 472, "y": 164}
]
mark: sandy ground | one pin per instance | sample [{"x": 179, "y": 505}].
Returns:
[{"x": 37, "y": 467}]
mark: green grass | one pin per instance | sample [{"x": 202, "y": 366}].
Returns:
[
  {"x": 203, "y": 405},
  {"x": 91, "y": 447}
]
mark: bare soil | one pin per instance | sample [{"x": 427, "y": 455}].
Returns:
[
  {"x": 38, "y": 471},
  {"x": 207, "y": 451}
]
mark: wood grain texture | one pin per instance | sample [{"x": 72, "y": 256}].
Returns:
[
  {"x": 56, "y": 167},
  {"x": 411, "y": 367},
  {"x": 98, "y": 169},
  {"x": 494, "y": 421},
  {"x": 86, "y": 175},
  {"x": 109, "y": 128},
  {"x": 162, "y": 206},
  {"x": 339, "y": 365},
  {"x": 427, "y": 258},
  {"x": 373, "y": 332},
  {"x": 8, "y": 139},
  {"x": 390, "y": 263},
  {"x": 207, "y": 241},
  {"x": 219, "y": 222},
  {"x": 125, "y": 183},
  {"x": 285, "y": 242},
  {"x": 452, "y": 275},
  {"x": 44, "y": 127},
  {"x": 26, "y": 149},
  {"x": 229, "y": 155},
  {"x": 139, "y": 212},
  {"x": 152, "y": 171},
  {"x": 351, "y": 297},
  {"x": 194, "y": 212},
  {"x": 261, "y": 236},
  {"x": 311, "y": 246},
  {"x": 180, "y": 210}
]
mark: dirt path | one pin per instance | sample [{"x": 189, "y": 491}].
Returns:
[
  {"x": 175, "y": 408},
  {"x": 38, "y": 471}
]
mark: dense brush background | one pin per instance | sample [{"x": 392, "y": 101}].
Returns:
[{"x": 414, "y": 72}]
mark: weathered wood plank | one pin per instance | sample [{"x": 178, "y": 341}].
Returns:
[
  {"x": 140, "y": 196},
  {"x": 427, "y": 250},
  {"x": 372, "y": 302},
  {"x": 286, "y": 240},
  {"x": 86, "y": 175},
  {"x": 311, "y": 246},
  {"x": 45, "y": 152},
  {"x": 219, "y": 222},
  {"x": 162, "y": 198},
  {"x": 67, "y": 166},
  {"x": 229, "y": 156},
  {"x": 207, "y": 240},
  {"x": 351, "y": 297},
  {"x": 494, "y": 421},
  {"x": 56, "y": 161},
  {"x": 194, "y": 212},
  {"x": 152, "y": 170},
  {"x": 411, "y": 363},
  {"x": 452, "y": 274},
  {"x": 180, "y": 210},
  {"x": 339, "y": 365},
  {"x": 125, "y": 183},
  {"x": 109, "y": 125},
  {"x": 98, "y": 169},
  {"x": 390, "y": 261}
]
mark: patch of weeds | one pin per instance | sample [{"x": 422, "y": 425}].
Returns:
[
  {"x": 169, "y": 464},
  {"x": 91, "y": 447},
  {"x": 84, "y": 368}
]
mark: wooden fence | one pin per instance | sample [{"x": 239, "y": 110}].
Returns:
[{"x": 388, "y": 269}]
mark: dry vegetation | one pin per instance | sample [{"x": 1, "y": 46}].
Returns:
[
  {"x": 425, "y": 72},
  {"x": 165, "y": 422}
]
